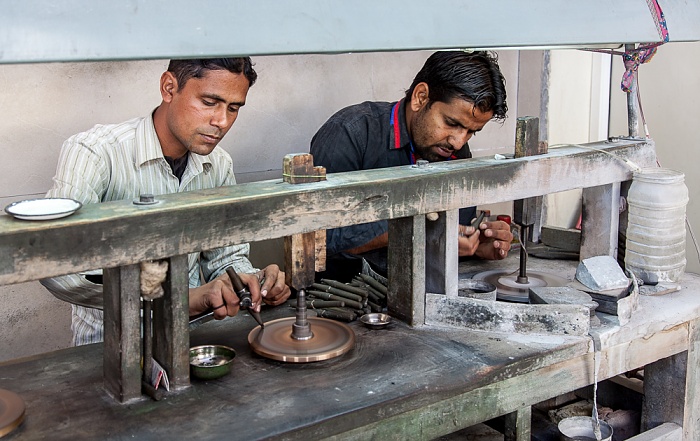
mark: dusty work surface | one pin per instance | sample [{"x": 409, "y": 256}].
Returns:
[
  {"x": 397, "y": 383},
  {"x": 387, "y": 373}
]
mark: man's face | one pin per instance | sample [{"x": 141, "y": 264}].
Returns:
[
  {"x": 201, "y": 113},
  {"x": 441, "y": 129}
]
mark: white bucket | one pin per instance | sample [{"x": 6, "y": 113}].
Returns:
[{"x": 655, "y": 244}]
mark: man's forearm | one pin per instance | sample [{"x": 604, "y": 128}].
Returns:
[{"x": 381, "y": 241}]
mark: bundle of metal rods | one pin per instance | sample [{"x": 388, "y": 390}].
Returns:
[{"x": 346, "y": 301}]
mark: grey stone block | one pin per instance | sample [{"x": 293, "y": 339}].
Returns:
[{"x": 601, "y": 273}]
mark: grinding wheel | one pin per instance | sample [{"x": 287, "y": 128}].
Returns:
[
  {"x": 508, "y": 288},
  {"x": 330, "y": 339},
  {"x": 11, "y": 411}
]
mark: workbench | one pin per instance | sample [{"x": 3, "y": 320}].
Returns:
[{"x": 398, "y": 383}]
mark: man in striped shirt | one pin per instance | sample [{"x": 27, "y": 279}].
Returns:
[{"x": 174, "y": 149}]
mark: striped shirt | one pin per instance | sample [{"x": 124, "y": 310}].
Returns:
[{"x": 124, "y": 161}]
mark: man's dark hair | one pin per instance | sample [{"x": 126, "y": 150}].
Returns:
[
  {"x": 197, "y": 68},
  {"x": 472, "y": 76}
]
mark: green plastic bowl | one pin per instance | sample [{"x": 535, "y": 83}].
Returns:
[{"x": 210, "y": 362}]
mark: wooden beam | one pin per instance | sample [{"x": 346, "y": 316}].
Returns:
[{"x": 120, "y": 233}]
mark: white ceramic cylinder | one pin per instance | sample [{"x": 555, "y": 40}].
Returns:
[{"x": 655, "y": 244}]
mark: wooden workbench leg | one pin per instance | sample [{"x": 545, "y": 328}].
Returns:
[
  {"x": 600, "y": 218},
  {"x": 441, "y": 254},
  {"x": 122, "y": 332},
  {"x": 518, "y": 425},
  {"x": 171, "y": 340},
  {"x": 691, "y": 415},
  {"x": 406, "y": 269},
  {"x": 664, "y": 387}
]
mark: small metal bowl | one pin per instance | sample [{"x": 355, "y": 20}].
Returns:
[
  {"x": 376, "y": 320},
  {"x": 210, "y": 362}
]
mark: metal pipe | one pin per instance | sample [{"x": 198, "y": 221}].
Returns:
[
  {"x": 522, "y": 276},
  {"x": 632, "y": 102}
]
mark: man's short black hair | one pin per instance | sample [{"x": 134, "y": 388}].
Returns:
[
  {"x": 196, "y": 68},
  {"x": 472, "y": 76}
]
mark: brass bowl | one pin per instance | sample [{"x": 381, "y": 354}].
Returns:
[
  {"x": 376, "y": 320},
  {"x": 210, "y": 362}
]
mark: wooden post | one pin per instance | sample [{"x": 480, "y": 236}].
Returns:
[
  {"x": 691, "y": 414},
  {"x": 299, "y": 260},
  {"x": 305, "y": 253},
  {"x": 600, "y": 220},
  {"x": 664, "y": 385},
  {"x": 406, "y": 269},
  {"x": 671, "y": 387},
  {"x": 170, "y": 324},
  {"x": 518, "y": 425},
  {"x": 528, "y": 212},
  {"x": 441, "y": 254},
  {"x": 122, "y": 332}
]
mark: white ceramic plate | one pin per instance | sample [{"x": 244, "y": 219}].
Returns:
[{"x": 43, "y": 209}]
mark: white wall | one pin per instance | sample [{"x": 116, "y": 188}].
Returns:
[
  {"x": 42, "y": 105},
  {"x": 578, "y": 102}
]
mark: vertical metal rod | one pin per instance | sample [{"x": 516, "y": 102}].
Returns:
[
  {"x": 301, "y": 329},
  {"x": 522, "y": 277},
  {"x": 632, "y": 102}
]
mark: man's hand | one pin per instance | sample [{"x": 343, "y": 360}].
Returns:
[
  {"x": 468, "y": 240},
  {"x": 219, "y": 296},
  {"x": 494, "y": 242},
  {"x": 490, "y": 241},
  {"x": 274, "y": 290}
]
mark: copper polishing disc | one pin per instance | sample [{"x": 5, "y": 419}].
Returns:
[
  {"x": 508, "y": 287},
  {"x": 11, "y": 411},
  {"x": 330, "y": 339}
]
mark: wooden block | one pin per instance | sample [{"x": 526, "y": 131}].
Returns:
[
  {"x": 298, "y": 168},
  {"x": 527, "y": 137}
]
